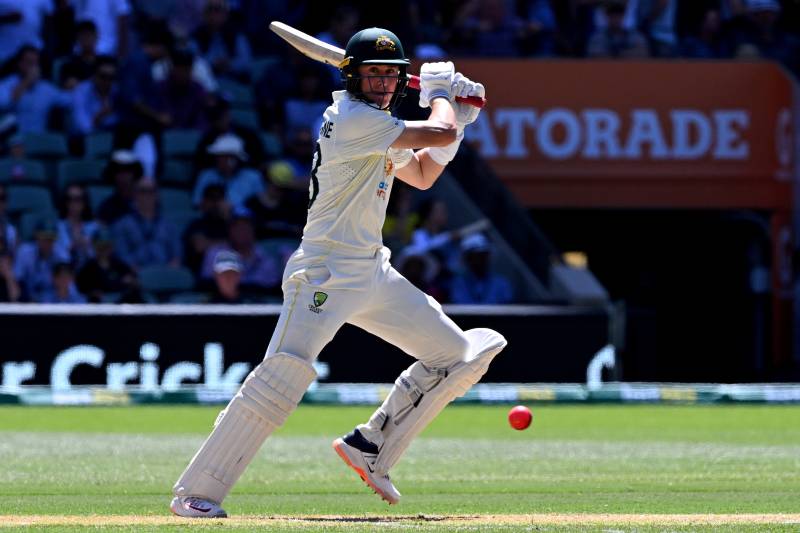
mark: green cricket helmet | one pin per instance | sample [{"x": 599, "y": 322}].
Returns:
[{"x": 374, "y": 46}]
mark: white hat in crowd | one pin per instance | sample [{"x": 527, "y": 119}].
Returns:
[
  {"x": 124, "y": 157},
  {"x": 227, "y": 260},
  {"x": 228, "y": 144}
]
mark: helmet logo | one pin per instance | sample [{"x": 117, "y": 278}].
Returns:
[{"x": 385, "y": 43}]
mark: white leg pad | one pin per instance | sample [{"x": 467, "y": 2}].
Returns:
[
  {"x": 420, "y": 393},
  {"x": 266, "y": 398}
]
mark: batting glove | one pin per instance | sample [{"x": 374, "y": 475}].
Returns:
[
  {"x": 463, "y": 86},
  {"x": 435, "y": 80}
]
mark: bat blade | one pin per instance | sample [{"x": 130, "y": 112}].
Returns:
[{"x": 308, "y": 45}]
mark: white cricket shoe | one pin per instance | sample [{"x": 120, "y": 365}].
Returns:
[
  {"x": 194, "y": 507},
  {"x": 360, "y": 455}
]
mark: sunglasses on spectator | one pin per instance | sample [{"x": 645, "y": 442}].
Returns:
[{"x": 75, "y": 197}]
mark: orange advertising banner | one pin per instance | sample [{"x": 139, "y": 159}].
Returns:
[{"x": 638, "y": 134}]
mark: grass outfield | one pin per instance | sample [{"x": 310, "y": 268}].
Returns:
[{"x": 588, "y": 468}]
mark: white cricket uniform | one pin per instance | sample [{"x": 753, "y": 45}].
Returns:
[{"x": 341, "y": 271}]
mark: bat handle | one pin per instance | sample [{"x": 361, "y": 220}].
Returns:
[{"x": 475, "y": 101}]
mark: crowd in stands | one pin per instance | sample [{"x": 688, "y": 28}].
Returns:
[{"x": 160, "y": 150}]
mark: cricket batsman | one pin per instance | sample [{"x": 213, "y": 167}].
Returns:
[{"x": 341, "y": 273}]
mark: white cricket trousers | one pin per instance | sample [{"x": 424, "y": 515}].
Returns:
[{"x": 322, "y": 291}]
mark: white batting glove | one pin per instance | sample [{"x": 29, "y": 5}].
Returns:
[
  {"x": 463, "y": 86},
  {"x": 435, "y": 80}
]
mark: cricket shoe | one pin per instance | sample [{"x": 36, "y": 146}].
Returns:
[
  {"x": 360, "y": 455},
  {"x": 194, "y": 507}
]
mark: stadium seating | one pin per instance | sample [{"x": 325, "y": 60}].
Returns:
[
  {"x": 80, "y": 171},
  {"x": 281, "y": 248},
  {"x": 177, "y": 174},
  {"x": 180, "y": 219},
  {"x": 180, "y": 144},
  {"x": 161, "y": 281},
  {"x": 45, "y": 145},
  {"x": 29, "y": 219},
  {"x": 260, "y": 65},
  {"x": 239, "y": 94},
  {"x": 22, "y": 198},
  {"x": 175, "y": 200},
  {"x": 26, "y": 170},
  {"x": 98, "y": 145},
  {"x": 97, "y": 194},
  {"x": 272, "y": 144},
  {"x": 245, "y": 117}
]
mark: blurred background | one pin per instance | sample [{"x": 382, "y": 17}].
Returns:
[{"x": 623, "y": 210}]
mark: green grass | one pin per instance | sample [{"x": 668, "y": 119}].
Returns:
[{"x": 574, "y": 459}]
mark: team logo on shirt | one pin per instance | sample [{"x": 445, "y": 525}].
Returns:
[
  {"x": 385, "y": 43},
  {"x": 319, "y": 299},
  {"x": 388, "y": 166},
  {"x": 383, "y": 189}
]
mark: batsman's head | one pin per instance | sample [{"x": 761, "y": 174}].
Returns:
[{"x": 374, "y": 67}]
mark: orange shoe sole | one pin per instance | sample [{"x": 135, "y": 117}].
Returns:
[{"x": 360, "y": 471}]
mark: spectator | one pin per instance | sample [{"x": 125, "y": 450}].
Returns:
[
  {"x": 144, "y": 238},
  {"x": 303, "y": 108},
  {"x": 76, "y": 227},
  {"x": 209, "y": 229},
  {"x": 658, "y": 20},
  {"x": 615, "y": 40},
  {"x": 34, "y": 262},
  {"x": 280, "y": 210},
  {"x": 187, "y": 17},
  {"x": 227, "y": 278},
  {"x": 401, "y": 219},
  {"x": 105, "y": 274},
  {"x": 432, "y": 237},
  {"x": 21, "y": 24},
  {"x": 202, "y": 73},
  {"x": 708, "y": 42},
  {"x": 81, "y": 64},
  {"x": 261, "y": 273},
  {"x": 111, "y": 19},
  {"x": 476, "y": 283},
  {"x": 220, "y": 123},
  {"x": 298, "y": 144},
  {"x": 343, "y": 24},
  {"x": 278, "y": 83},
  {"x": 9, "y": 288},
  {"x": 421, "y": 269},
  {"x": 240, "y": 182},
  {"x": 16, "y": 148},
  {"x": 137, "y": 86},
  {"x": 220, "y": 43},
  {"x": 94, "y": 102},
  {"x": 63, "y": 29},
  {"x": 538, "y": 29},
  {"x": 122, "y": 172},
  {"x": 180, "y": 102},
  {"x": 760, "y": 29},
  {"x": 29, "y": 96},
  {"x": 490, "y": 27},
  {"x": 64, "y": 290},
  {"x": 8, "y": 233}
]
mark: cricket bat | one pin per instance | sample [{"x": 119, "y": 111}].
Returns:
[{"x": 333, "y": 55}]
